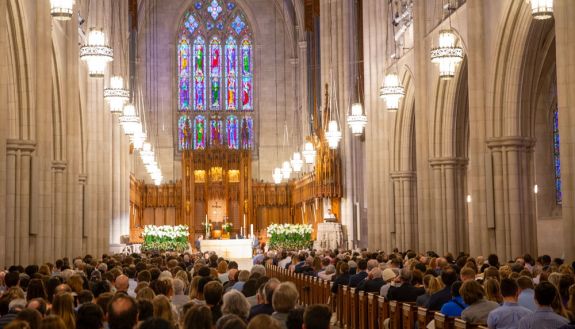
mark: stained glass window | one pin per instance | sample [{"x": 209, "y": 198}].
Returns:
[
  {"x": 215, "y": 76},
  {"x": 184, "y": 73},
  {"x": 232, "y": 127},
  {"x": 215, "y": 73},
  {"x": 199, "y": 76},
  {"x": 556, "y": 157},
  {"x": 231, "y": 74},
  {"x": 184, "y": 133},
  {"x": 247, "y": 133},
  {"x": 247, "y": 94},
  {"x": 216, "y": 132},
  {"x": 199, "y": 132}
]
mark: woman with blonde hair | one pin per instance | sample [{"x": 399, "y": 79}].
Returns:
[
  {"x": 163, "y": 309},
  {"x": 146, "y": 293},
  {"x": 493, "y": 291},
  {"x": 53, "y": 322},
  {"x": 63, "y": 306},
  {"x": 183, "y": 275}
]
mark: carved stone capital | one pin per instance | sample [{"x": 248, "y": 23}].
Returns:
[
  {"x": 403, "y": 175},
  {"x": 19, "y": 145},
  {"x": 59, "y": 165},
  {"x": 517, "y": 142},
  {"x": 82, "y": 179},
  {"x": 448, "y": 162}
]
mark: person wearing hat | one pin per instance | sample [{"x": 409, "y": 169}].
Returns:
[
  {"x": 406, "y": 292},
  {"x": 389, "y": 276}
]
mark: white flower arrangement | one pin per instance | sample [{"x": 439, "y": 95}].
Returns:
[
  {"x": 165, "y": 237},
  {"x": 289, "y": 236}
]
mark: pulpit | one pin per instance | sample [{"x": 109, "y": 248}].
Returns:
[{"x": 329, "y": 236}]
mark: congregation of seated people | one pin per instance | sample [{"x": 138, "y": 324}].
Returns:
[{"x": 206, "y": 291}]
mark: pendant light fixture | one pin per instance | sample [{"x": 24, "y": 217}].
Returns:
[
  {"x": 309, "y": 153},
  {"x": 286, "y": 170},
  {"x": 96, "y": 53},
  {"x": 447, "y": 55},
  {"x": 277, "y": 175},
  {"x": 332, "y": 133},
  {"x": 357, "y": 120},
  {"x": 296, "y": 162},
  {"x": 541, "y": 9},
  {"x": 116, "y": 95},
  {"x": 62, "y": 10},
  {"x": 129, "y": 120},
  {"x": 392, "y": 91}
]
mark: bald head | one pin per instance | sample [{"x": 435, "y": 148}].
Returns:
[
  {"x": 62, "y": 288},
  {"x": 122, "y": 283}
]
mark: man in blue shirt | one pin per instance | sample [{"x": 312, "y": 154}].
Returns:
[
  {"x": 456, "y": 305},
  {"x": 508, "y": 315},
  {"x": 544, "y": 317},
  {"x": 526, "y": 293},
  {"x": 355, "y": 279}
]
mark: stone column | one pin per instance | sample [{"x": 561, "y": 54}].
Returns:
[
  {"x": 404, "y": 203},
  {"x": 514, "y": 223},
  {"x": 62, "y": 229},
  {"x": 565, "y": 33}
]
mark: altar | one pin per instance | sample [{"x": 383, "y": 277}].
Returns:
[{"x": 232, "y": 248}]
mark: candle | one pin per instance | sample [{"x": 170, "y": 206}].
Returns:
[{"x": 252, "y": 230}]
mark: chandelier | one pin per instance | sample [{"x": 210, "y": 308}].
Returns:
[
  {"x": 96, "y": 53},
  {"x": 296, "y": 162},
  {"x": 333, "y": 135},
  {"x": 146, "y": 154},
  {"x": 392, "y": 91},
  {"x": 357, "y": 120},
  {"x": 286, "y": 170},
  {"x": 447, "y": 54},
  {"x": 309, "y": 153},
  {"x": 129, "y": 120},
  {"x": 116, "y": 95},
  {"x": 277, "y": 175},
  {"x": 542, "y": 9},
  {"x": 61, "y": 10}
]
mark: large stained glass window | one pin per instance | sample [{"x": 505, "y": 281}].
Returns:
[
  {"x": 215, "y": 77},
  {"x": 556, "y": 157}
]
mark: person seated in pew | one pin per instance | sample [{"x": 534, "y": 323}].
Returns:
[
  {"x": 479, "y": 307},
  {"x": 545, "y": 317},
  {"x": 510, "y": 313},
  {"x": 406, "y": 292},
  {"x": 389, "y": 276},
  {"x": 373, "y": 282},
  {"x": 436, "y": 300},
  {"x": 456, "y": 305},
  {"x": 342, "y": 278},
  {"x": 355, "y": 279}
]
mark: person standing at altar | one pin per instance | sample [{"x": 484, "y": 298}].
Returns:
[{"x": 198, "y": 243}]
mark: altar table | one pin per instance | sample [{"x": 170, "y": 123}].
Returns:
[{"x": 232, "y": 248}]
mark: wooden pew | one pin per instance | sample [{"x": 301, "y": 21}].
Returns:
[
  {"x": 424, "y": 317},
  {"x": 408, "y": 315},
  {"x": 353, "y": 305},
  {"x": 346, "y": 309},
  {"x": 442, "y": 321},
  {"x": 461, "y": 324},
  {"x": 339, "y": 305},
  {"x": 362, "y": 301},
  {"x": 394, "y": 314},
  {"x": 383, "y": 307},
  {"x": 372, "y": 309}
]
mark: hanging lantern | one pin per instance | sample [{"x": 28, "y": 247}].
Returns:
[
  {"x": 542, "y": 9},
  {"x": 357, "y": 120},
  {"x": 277, "y": 175},
  {"x": 296, "y": 162},
  {"x": 129, "y": 120},
  {"x": 309, "y": 153},
  {"x": 392, "y": 92},
  {"x": 138, "y": 140},
  {"x": 116, "y": 95},
  {"x": 447, "y": 55},
  {"x": 62, "y": 10},
  {"x": 333, "y": 135},
  {"x": 96, "y": 53},
  {"x": 146, "y": 154},
  {"x": 286, "y": 170}
]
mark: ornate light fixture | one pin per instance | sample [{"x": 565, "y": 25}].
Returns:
[
  {"x": 62, "y": 10},
  {"x": 96, "y": 53},
  {"x": 147, "y": 154},
  {"x": 129, "y": 120},
  {"x": 447, "y": 54},
  {"x": 116, "y": 95},
  {"x": 277, "y": 175},
  {"x": 357, "y": 120},
  {"x": 542, "y": 9},
  {"x": 333, "y": 135},
  {"x": 138, "y": 140},
  {"x": 392, "y": 91},
  {"x": 309, "y": 153},
  {"x": 296, "y": 162},
  {"x": 286, "y": 170}
]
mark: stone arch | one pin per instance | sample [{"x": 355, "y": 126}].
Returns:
[{"x": 404, "y": 127}]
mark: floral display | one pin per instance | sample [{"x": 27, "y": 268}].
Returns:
[
  {"x": 227, "y": 227},
  {"x": 165, "y": 238},
  {"x": 289, "y": 236}
]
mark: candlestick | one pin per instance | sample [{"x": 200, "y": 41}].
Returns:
[{"x": 252, "y": 230}]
